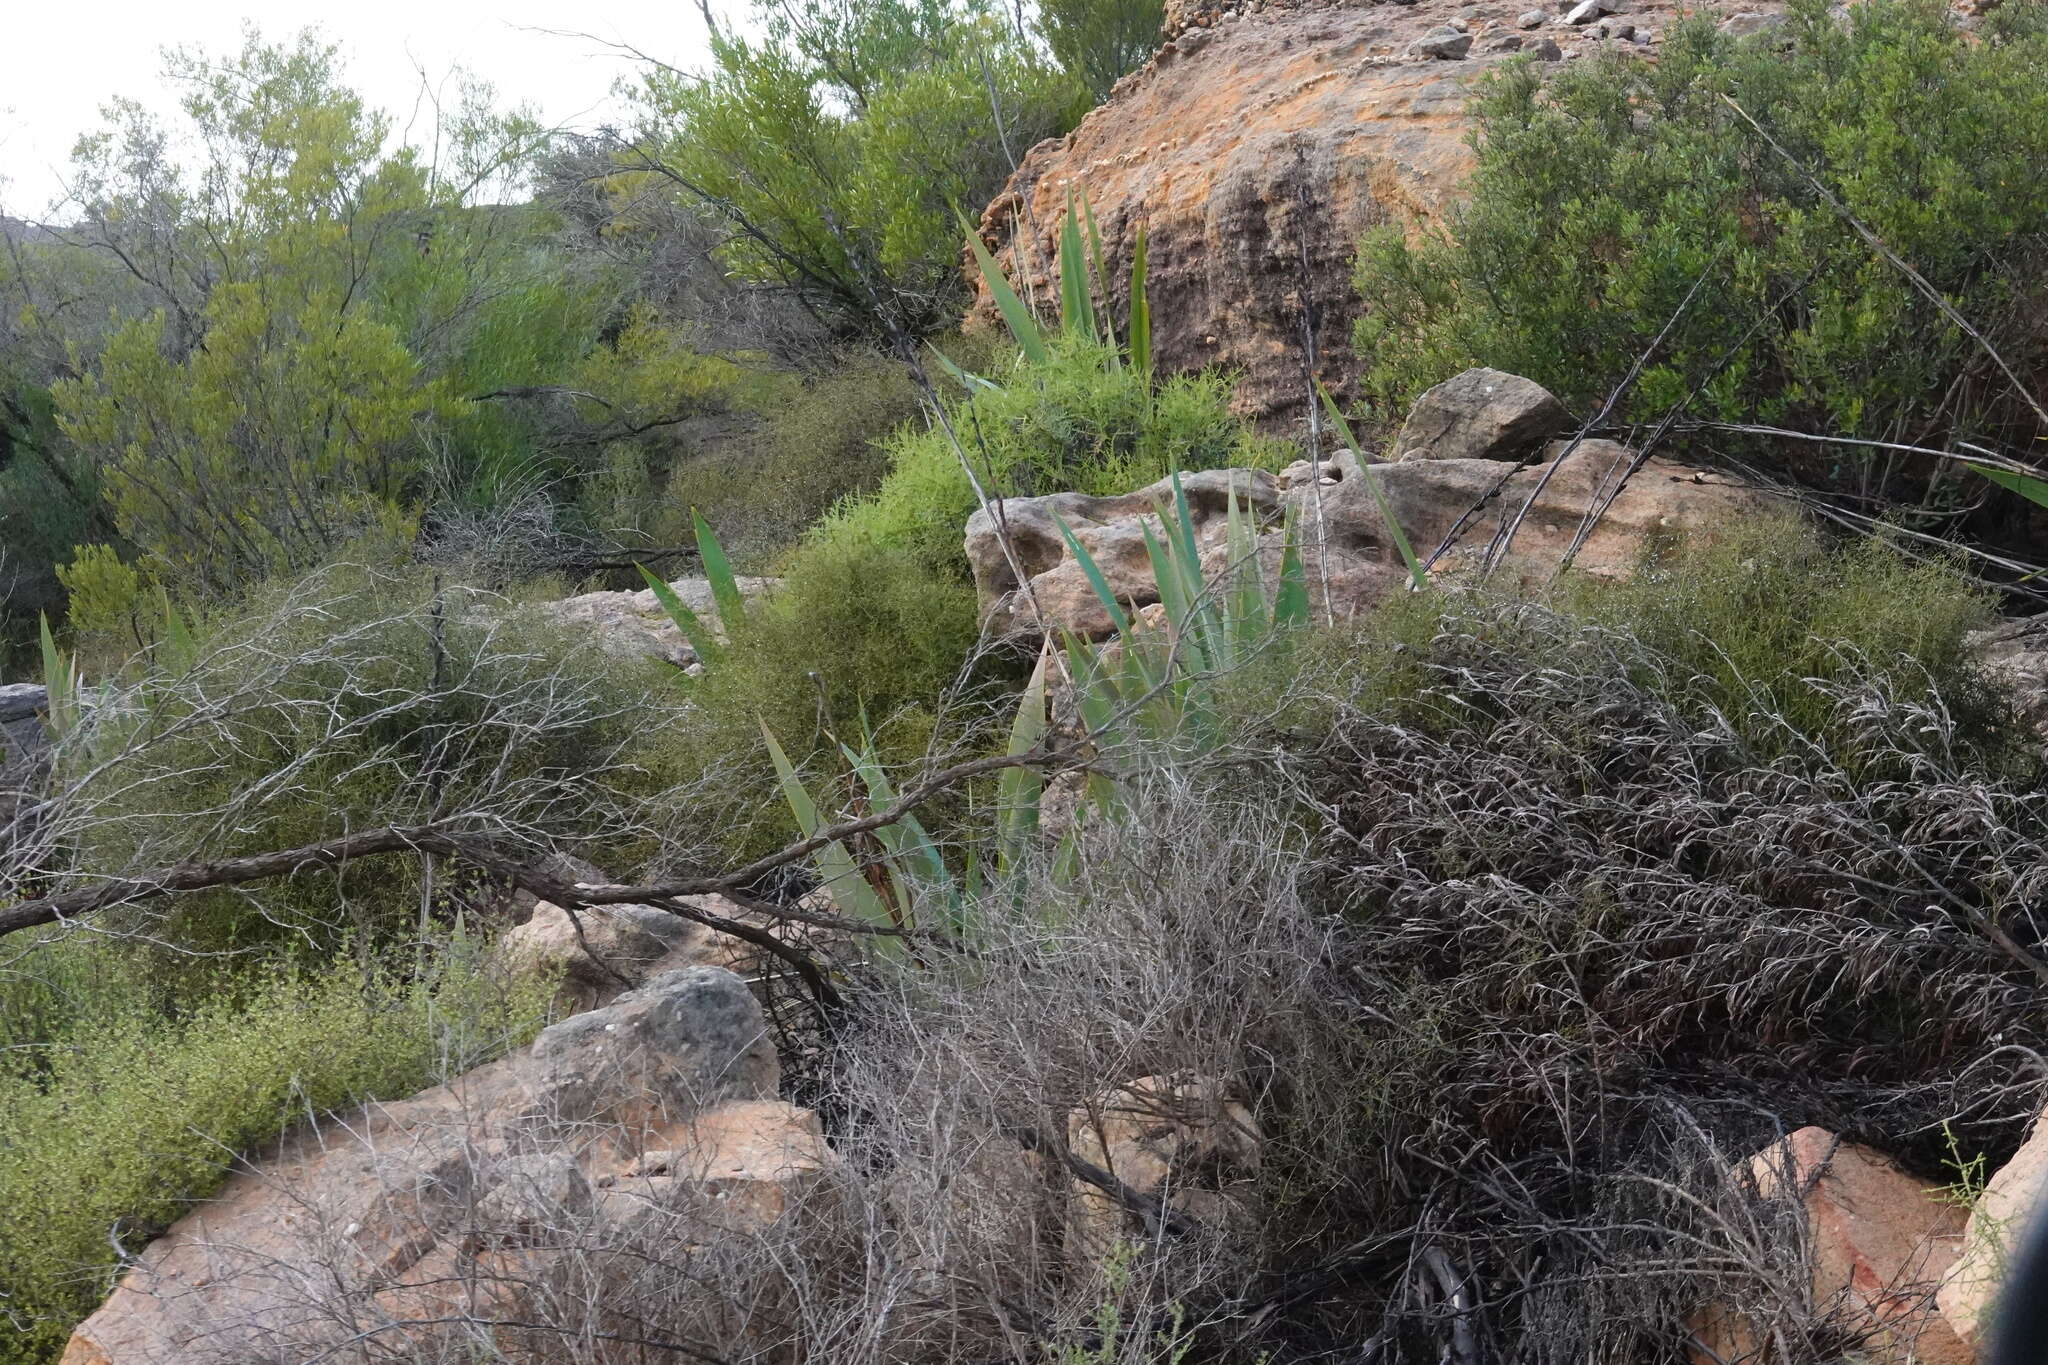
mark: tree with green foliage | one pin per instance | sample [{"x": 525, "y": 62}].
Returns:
[
  {"x": 1608, "y": 192},
  {"x": 1098, "y": 41},
  {"x": 839, "y": 147}
]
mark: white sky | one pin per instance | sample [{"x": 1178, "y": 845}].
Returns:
[{"x": 59, "y": 62}]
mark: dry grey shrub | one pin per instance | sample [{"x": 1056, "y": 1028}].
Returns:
[
  {"x": 356, "y": 697},
  {"x": 1179, "y": 945},
  {"x": 1619, "y": 947}
]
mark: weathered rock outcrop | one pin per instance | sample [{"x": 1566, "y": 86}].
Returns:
[
  {"x": 2015, "y": 655},
  {"x": 1184, "y": 1141},
  {"x": 632, "y": 625},
  {"x": 1879, "y": 1242},
  {"x": 1998, "y": 1226},
  {"x": 1342, "y": 531},
  {"x": 1480, "y": 415},
  {"x": 1257, "y": 147},
  {"x": 619, "y": 947},
  {"x": 378, "y": 1225},
  {"x": 24, "y": 752}
]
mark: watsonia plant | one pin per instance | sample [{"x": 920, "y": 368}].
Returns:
[
  {"x": 1154, "y": 691},
  {"x": 1083, "y": 278}
]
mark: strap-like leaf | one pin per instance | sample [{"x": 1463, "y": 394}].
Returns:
[
  {"x": 837, "y": 867},
  {"x": 1379, "y": 494},
  {"x": 1020, "y": 789},
  {"x": 701, "y": 640},
  {"x": 1141, "y": 312},
  {"x": 1093, "y": 572},
  {"x": 1022, "y": 324},
  {"x": 725, "y": 586},
  {"x": 2027, "y": 486},
  {"x": 967, "y": 381},
  {"x": 1077, "y": 310}
]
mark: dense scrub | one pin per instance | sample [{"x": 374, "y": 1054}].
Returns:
[
  {"x": 1513, "y": 921},
  {"x": 1514, "y": 930},
  {"x": 1606, "y": 195},
  {"x": 121, "y": 1102}
]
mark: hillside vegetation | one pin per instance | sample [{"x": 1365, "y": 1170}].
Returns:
[{"x": 1512, "y": 917}]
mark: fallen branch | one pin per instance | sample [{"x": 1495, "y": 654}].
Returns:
[{"x": 446, "y": 839}]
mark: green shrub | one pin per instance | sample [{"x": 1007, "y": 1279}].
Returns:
[
  {"x": 1754, "y": 627},
  {"x": 861, "y": 634},
  {"x": 1081, "y": 422},
  {"x": 877, "y": 615},
  {"x": 115, "y": 1114},
  {"x": 814, "y": 442},
  {"x": 1099, "y": 40},
  {"x": 1604, "y": 192},
  {"x": 844, "y": 138},
  {"x": 1752, "y": 622}
]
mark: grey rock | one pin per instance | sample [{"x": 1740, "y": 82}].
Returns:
[
  {"x": 2015, "y": 656},
  {"x": 1585, "y": 12},
  {"x": 1357, "y": 563},
  {"x": 1534, "y": 18},
  {"x": 1750, "y": 23},
  {"x": 1544, "y": 50},
  {"x": 629, "y": 625},
  {"x": 1501, "y": 44},
  {"x": 1480, "y": 415},
  {"x": 685, "y": 1041},
  {"x": 1446, "y": 44},
  {"x": 21, "y": 701}
]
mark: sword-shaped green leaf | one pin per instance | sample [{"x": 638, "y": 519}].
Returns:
[
  {"x": 1379, "y": 494},
  {"x": 1140, "y": 328},
  {"x": 1022, "y": 324},
  {"x": 725, "y": 585},
  {"x": 701, "y": 640},
  {"x": 1077, "y": 311}
]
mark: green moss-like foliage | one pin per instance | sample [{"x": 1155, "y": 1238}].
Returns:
[
  {"x": 1760, "y": 623},
  {"x": 1081, "y": 422}
]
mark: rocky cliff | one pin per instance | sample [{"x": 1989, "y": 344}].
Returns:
[{"x": 1261, "y": 141}]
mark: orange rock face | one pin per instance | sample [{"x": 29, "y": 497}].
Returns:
[
  {"x": 1256, "y": 148},
  {"x": 1880, "y": 1243}
]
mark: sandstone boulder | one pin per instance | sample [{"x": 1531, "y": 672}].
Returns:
[
  {"x": 1261, "y": 133},
  {"x": 1342, "y": 531},
  {"x": 1480, "y": 415},
  {"x": 24, "y": 753},
  {"x": 1998, "y": 1225},
  {"x": 459, "y": 1203},
  {"x": 621, "y": 947},
  {"x": 633, "y": 625},
  {"x": 1185, "y": 1140},
  {"x": 2015, "y": 655},
  {"x": 1880, "y": 1242}
]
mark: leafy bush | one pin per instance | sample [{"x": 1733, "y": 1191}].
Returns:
[
  {"x": 1099, "y": 40},
  {"x": 1604, "y": 193},
  {"x": 1080, "y": 422},
  {"x": 1757, "y": 626},
  {"x": 1752, "y": 633},
  {"x": 814, "y": 442},
  {"x": 860, "y": 635},
  {"x": 843, "y": 140},
  {"x": 116, "y": 1111}
]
